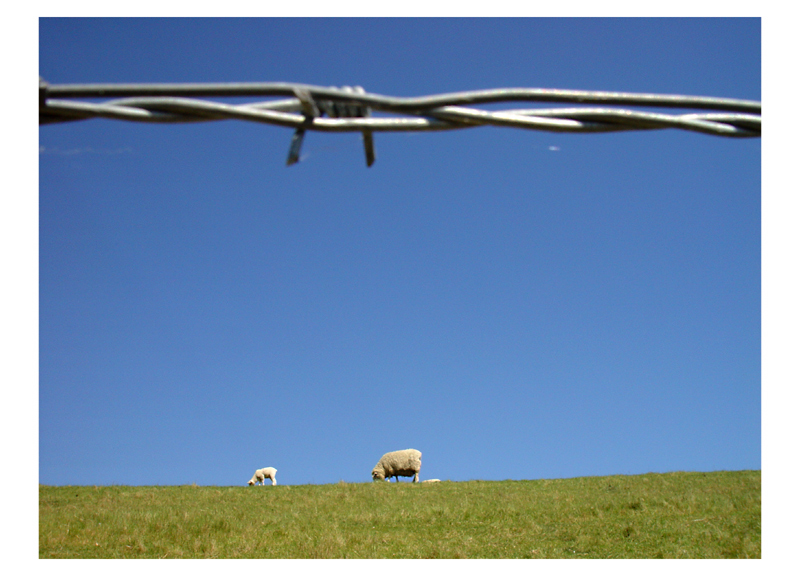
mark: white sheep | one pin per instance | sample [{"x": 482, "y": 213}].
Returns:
[
  {"x": 262, "y": 474},
  {"x": 399, "y": 463},
  {"x": 431, "y": 480}
]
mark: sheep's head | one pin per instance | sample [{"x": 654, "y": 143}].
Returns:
[
  {"x": 250, "y": 482},
  {"x": 378, "y": 473}
]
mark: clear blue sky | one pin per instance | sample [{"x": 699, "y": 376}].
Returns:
[{"x": 514, "y": 304}]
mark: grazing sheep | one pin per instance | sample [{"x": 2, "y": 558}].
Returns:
[
  {"x": 261, "y": 475},
  {"x": 399, "y": 463}
]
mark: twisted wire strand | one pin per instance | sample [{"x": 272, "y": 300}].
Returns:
[{"x": 351, "y": 109}]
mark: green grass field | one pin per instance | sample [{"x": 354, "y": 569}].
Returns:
[{"x": 675, "y": 515}]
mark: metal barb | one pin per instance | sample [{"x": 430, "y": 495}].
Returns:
[
  {"x": 294, "y": 147},
  {"x": 366, "y": 135},
  {"x": 310, "y": 111}
]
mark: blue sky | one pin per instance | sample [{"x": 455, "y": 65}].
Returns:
[{"x": 515, "y": 304}]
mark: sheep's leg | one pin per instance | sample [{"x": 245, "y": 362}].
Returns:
[{"x": 416, "y": 477}]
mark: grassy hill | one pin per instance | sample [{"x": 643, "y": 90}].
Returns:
[{"x": 675, "y": 515}]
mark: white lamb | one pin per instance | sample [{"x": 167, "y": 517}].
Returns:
[
  {"x": 399, "y": 463},
  {"x": 261, "y": 475}
]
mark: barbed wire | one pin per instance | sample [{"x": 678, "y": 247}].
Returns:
[{"x": 351, "y": 109}]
